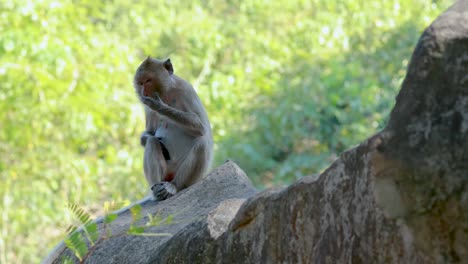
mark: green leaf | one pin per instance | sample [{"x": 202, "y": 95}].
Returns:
[
  {"x": 134, "y": 230},
  {"x": 92, "y": 232},
  {"x": 136, "y": 212},
  {"x": 70, "y": 229},
  {"x": 83, "y": 216},
  {"x": 77, "y": 244},
  {"x": 169, "y": 219},
  {"x": 109, "y": 218}
]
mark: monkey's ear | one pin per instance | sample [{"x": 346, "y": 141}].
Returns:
[
  {"x": 147, "y": 61},
  {"x": 168, "y": 66}
]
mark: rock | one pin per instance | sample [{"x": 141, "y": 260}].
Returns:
[
  {"x": 329, "y": 219},
  {"x": 399, "y": 197},
  {"x": 421, "y": 166},
  {"x": 214, "y": 200}
]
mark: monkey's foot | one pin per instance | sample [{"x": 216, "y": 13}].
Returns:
[{"x": 163, "y": 190}]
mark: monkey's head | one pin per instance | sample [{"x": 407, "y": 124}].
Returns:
[{"x": 153, "y": 76}]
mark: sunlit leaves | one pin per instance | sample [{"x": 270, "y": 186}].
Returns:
[
  {"x": 109, "y": 218},
  {"x": 77, "y": 244},
  {"x": 82, "y": 240},
  {"x": 136, "y": 212},
  {"x": 83, "y": 216},
  {"x": 288, "y": 85}
]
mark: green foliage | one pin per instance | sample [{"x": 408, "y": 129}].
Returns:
[
  {"x": 84, "y": 239},
  {"x": 83, "y": 217},
  {"x": 153, "y": 220},
  {"x": 77, "y": 244},
  {"x": 288, "y": 86},
  {"x": 136, "y": 212},
  {"x": 77, "y": 238},
  {"x": 90, "y": 229},
  {"x": 157, "y": 220},
  {"x": 110, "y": 218}
]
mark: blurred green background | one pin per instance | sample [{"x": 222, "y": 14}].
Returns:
[{"x": 288, "y": 85}]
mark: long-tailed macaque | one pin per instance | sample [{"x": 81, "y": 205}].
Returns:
[{"x": 178, "y": 141}]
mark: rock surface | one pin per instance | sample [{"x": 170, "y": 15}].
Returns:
[
  {"x": 399, "y": 197},
  {"x": 421, "y": 166},
  {"x": 214, "y": 200}
]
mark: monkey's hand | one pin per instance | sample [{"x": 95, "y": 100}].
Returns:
[
  {"x": 163, "y": 190},
  {"x": 154, "y": 102},
  {"x": 144, "y": 137}
]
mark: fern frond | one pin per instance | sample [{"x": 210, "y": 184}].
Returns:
[
  {"x": 92, "y": 233},
  {"x": 83, "y": 216},
  {"x": 89, "y": 228},
  {"x": 70, "y": 229},
  {"x": 77, "y": 244}
]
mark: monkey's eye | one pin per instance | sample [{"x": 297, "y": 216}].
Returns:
[
  {"x": 148, "y": 80},
  {"x": 140, "y": 83}
]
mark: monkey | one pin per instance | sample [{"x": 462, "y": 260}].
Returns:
[{"x": 177, "y": 141}]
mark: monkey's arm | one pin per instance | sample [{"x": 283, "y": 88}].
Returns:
[
  {"x": 188, "y": 120},
  {"x": 144, "y": 137},
  {"x": 152, "y": 121}
]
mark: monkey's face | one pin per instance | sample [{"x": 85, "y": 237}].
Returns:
[
  {"x": 147, "y": 84},
  {"x": 153, "y": 76}
]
